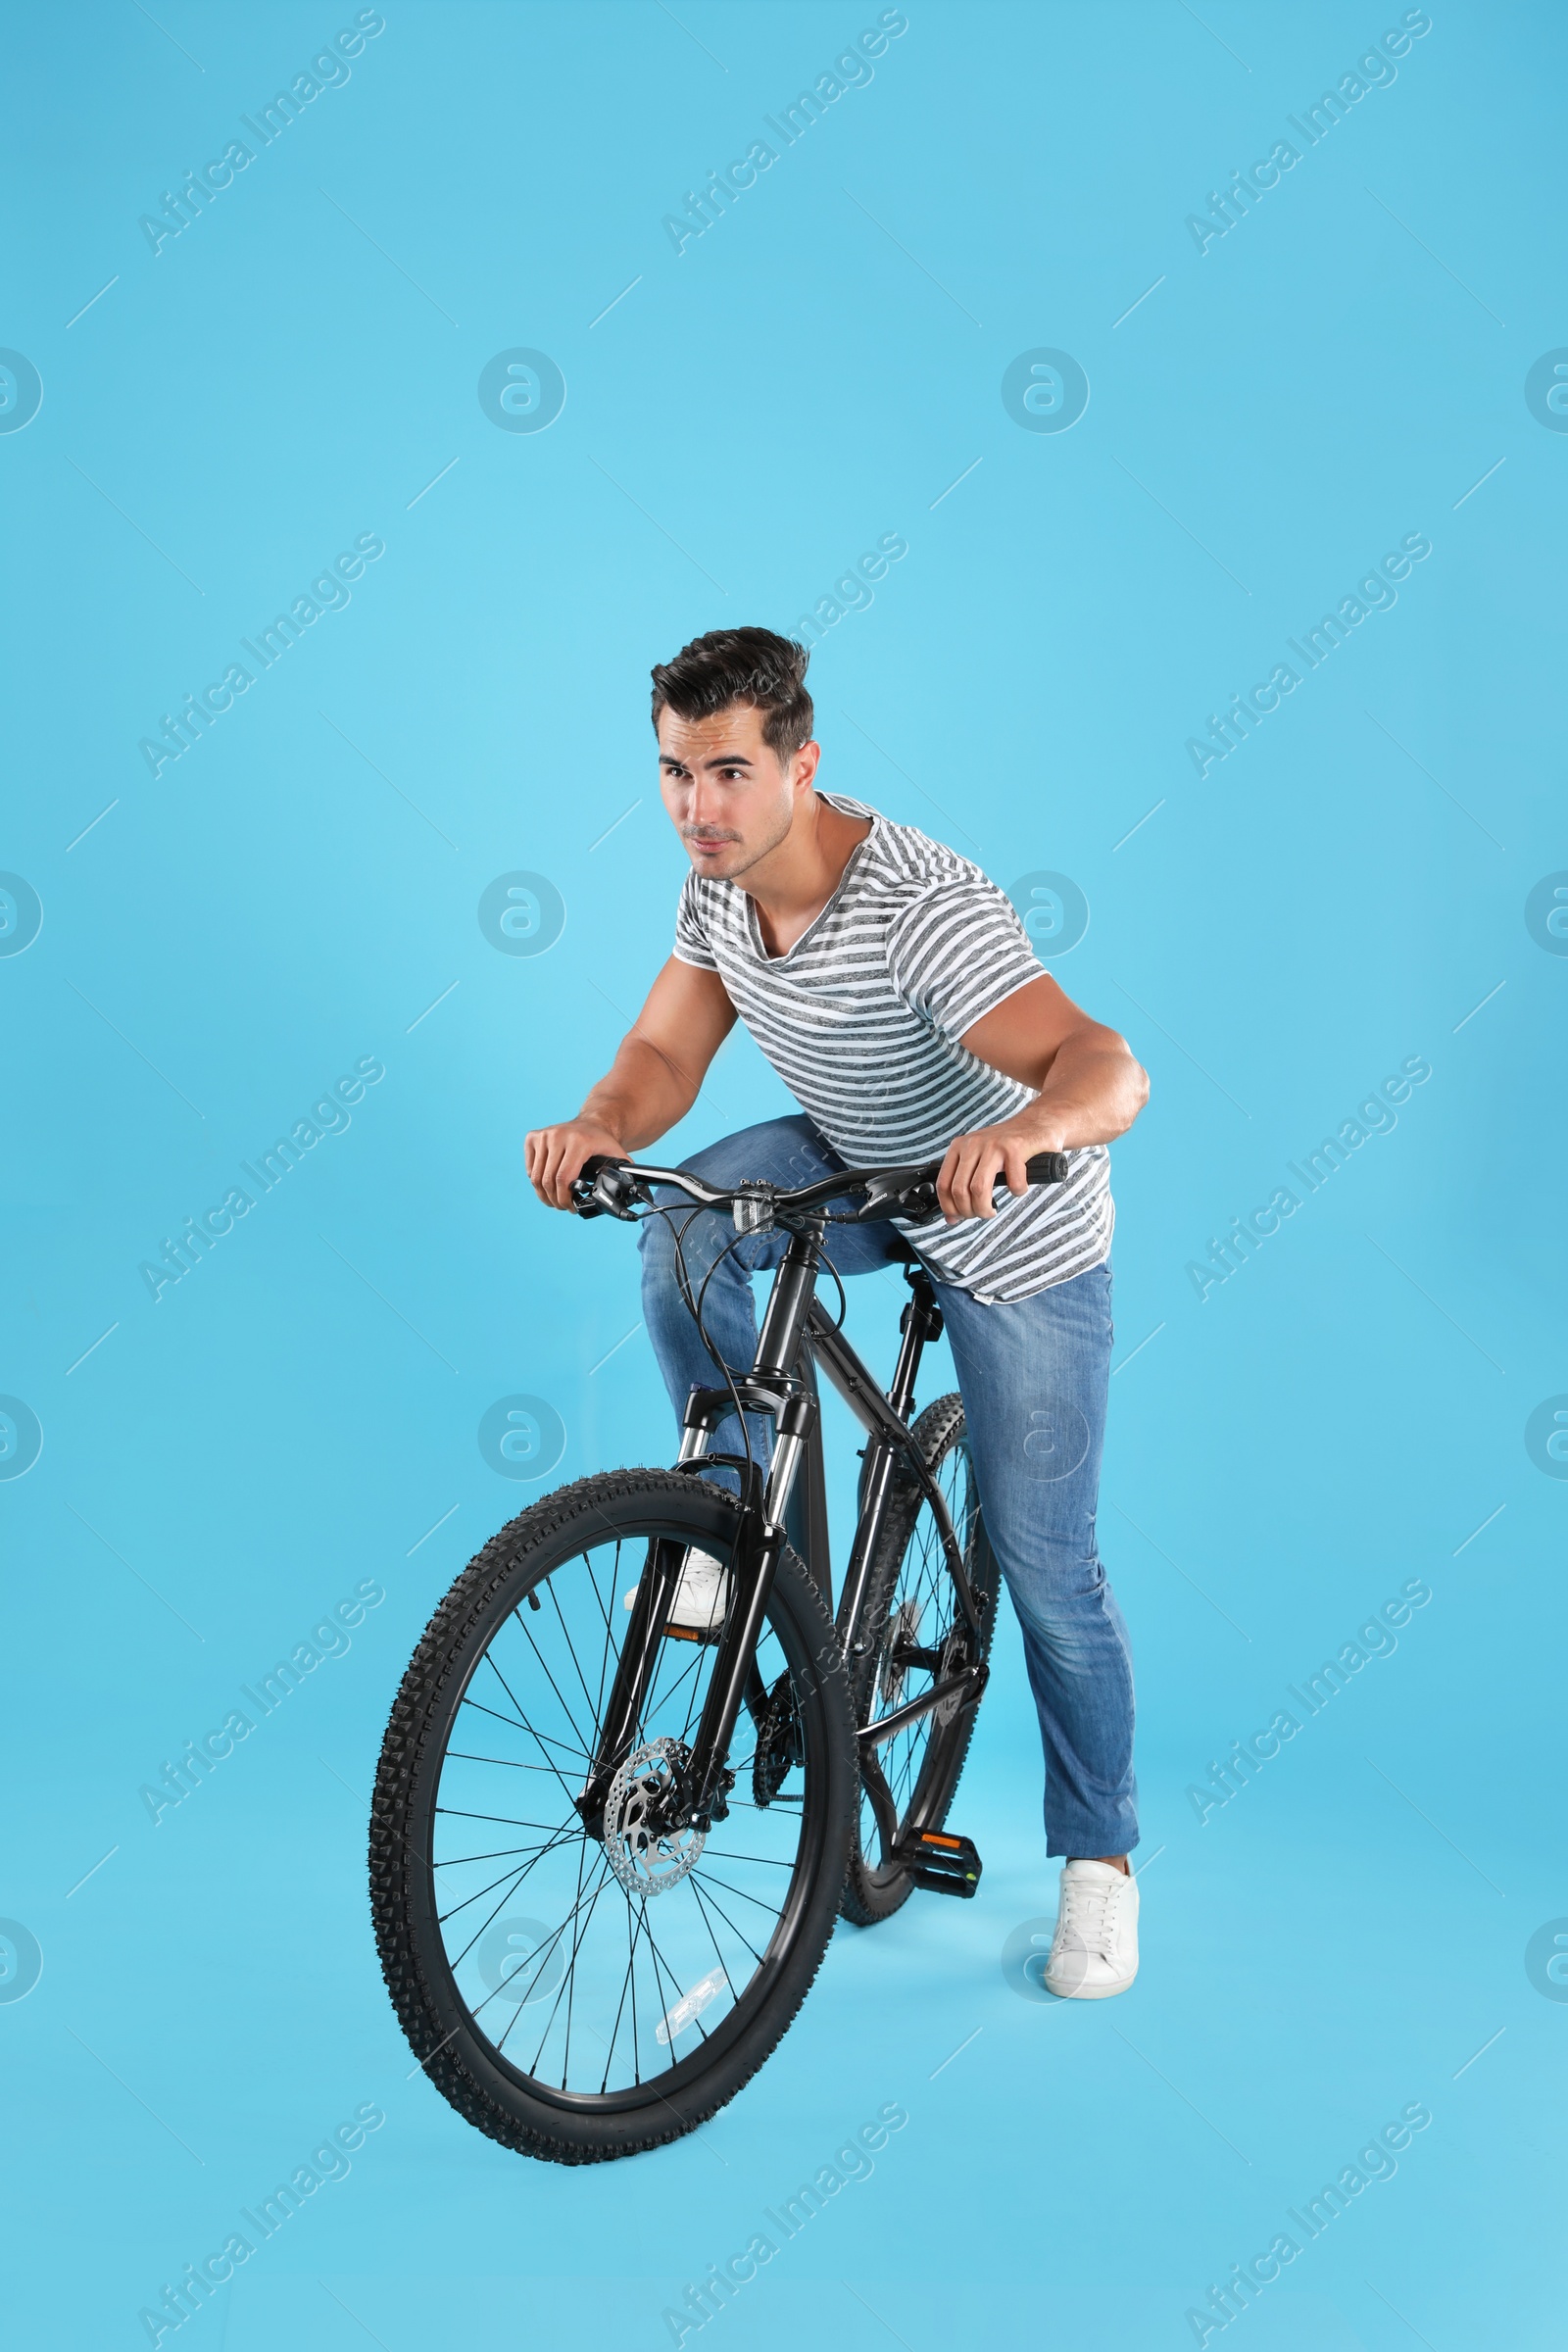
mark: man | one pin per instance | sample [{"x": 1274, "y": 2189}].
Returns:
[{"x": 895, "y": 993}]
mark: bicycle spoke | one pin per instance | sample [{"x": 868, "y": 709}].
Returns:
[
  {"x": 458, "y": 1957},
  {"x": 709, "y": 1879},
  {"x": 496, "y": 1716},
  {"x": 550, "y": 1769},
  {"x": 568, "y": 1983},
  {"x": 657, "y": 1697},
  {"x": 571, "y": 1978},
  {"x": 666, "y": 2004},
  {"x": 508, "y": 1821},
  {"x": 462, "y": 1756},
  {"x": 621, "y": 2008},
  {"x": 549, "y": 1677},
  {"x": 771, "y": 1861},
  {"x": 513, "y": 1875},
  {"x": 725, "y": 1917},
  {"x": 520, "y": 1718},
  {"x": 529, "y": 1728},
  {"x": 572, "y": 1648},
  {"x": 573, "y": 1747},
  {"x": 497, "y": 1853},
  {"x": 711, "y": 1938},
  {"x": 573, "y": 1915},
  {"x": 542, "y": 1959},
  {"x": 662, "y": 1969}
]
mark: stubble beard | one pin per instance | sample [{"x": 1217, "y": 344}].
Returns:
[{"x": 745, "y": 855}]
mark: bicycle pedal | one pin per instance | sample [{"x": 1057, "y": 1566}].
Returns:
[{"x": 940, "y": 1863}]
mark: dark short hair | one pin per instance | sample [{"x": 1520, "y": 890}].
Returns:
[{"x": 740, "y": 665}]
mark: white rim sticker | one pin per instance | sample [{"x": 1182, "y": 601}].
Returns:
[{"x": 677, "y": 2020}]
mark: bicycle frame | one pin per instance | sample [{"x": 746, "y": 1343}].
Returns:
[{"x": 796, "y": 1336}]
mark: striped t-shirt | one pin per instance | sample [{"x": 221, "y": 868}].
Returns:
[{"x": 862, "y": 1019}]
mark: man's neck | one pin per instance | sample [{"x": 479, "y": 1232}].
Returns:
[{"x": 792, "y": 884}]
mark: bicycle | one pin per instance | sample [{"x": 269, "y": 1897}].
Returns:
[{"x": 701, "y": 1798}]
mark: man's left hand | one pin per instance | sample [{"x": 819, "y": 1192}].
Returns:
[{"x": 978, "y": 1164}]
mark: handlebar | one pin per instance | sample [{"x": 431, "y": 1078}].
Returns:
[{"x": 613, "y": 1188}]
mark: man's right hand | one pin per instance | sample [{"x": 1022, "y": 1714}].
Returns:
[
  {"x": 656, "y": 1077},
  {"x": 554, "y": 1156}
]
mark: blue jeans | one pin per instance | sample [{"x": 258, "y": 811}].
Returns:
[{"x": 1034, "y": 1378}]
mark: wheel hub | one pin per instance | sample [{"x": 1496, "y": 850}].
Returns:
[{"x": 646, "y": 1856}]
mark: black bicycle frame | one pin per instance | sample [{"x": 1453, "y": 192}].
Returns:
[{"x": 797, "y": 1336}]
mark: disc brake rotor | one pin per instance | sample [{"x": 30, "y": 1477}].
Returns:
[{"x": 645, "y": 1858}]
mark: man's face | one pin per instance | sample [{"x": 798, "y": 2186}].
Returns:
[{"x": 730, "y": 797}]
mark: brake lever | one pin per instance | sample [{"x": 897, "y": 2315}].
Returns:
[
  {"x": 602, "y": 1189},
  {"x": 893, "y": 1195},
  {"x": 890, "y": 1194},
  {"x": 920, "y": 1205}
]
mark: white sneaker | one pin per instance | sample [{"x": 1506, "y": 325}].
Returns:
[
  {"x": 701, "y": 1596},
  {"x": 1094, "y": 1952}
]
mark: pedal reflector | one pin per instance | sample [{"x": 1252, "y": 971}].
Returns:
[{"x": 940, "y": 1862}]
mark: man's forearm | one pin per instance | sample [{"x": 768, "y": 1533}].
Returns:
[
  {"x": 1091, "y": 1094},
  {"x": 1090, "y": 1089},
  {"x": 642, "y": 1096}
]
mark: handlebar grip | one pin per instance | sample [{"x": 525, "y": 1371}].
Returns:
[{"x": 921, "y": 1205}]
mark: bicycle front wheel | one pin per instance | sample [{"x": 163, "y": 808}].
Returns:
[{"x": 582, "y": 1996}]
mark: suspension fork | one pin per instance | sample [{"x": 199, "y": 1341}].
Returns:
[
  {"x": 761, "y": 1531},
  {"x": 760, "y": 1542},
  {"x": 634, "y": 1672}
]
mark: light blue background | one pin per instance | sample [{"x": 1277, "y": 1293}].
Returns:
[{"x": 301, "y": 885}]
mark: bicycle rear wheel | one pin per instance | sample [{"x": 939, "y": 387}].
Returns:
[
  {"x": 914, "y": 1634},
  {"x": 579, "y": 1996}
]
